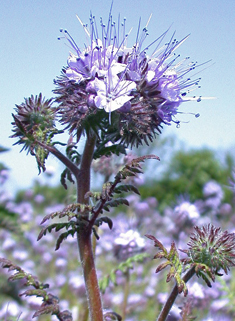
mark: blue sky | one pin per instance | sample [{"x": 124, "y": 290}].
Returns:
[{"x": 32, "y": 57}]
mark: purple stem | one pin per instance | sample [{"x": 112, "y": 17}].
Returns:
[{"x": 84, "y": 235}]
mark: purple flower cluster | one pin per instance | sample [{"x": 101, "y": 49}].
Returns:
[
  {"x": 144, "y": 89},
  {"x": 116, "y": 72}
]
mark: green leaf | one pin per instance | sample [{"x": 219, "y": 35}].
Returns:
[
  {"x": 104, "y": 283},
  {"x": 56, "y": 226},
  {"x": 63, "y": 237},
  {"x": 126, "y": 188},
  {"x": 36, "y": 292},
  {"x": 172, "y": 260},
  {"x": 115, "y": 202},
  {"x": 99, "y": 221},
  {"x": 103, "y": 150}
]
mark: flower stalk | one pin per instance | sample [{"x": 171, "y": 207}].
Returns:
[
  {"x": 126, "y": 291},
  {"x": 173, "y": 295},
  {"x": 84, "y": 234}
]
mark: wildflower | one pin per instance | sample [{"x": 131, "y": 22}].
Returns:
[
  {"x": 213, "y": 189},
  {"x": 141, "y": 91},
  {"x": 212, "y": 247},
  {"x": 213, "y": 193},
  {"x": 32, "y": 117},
  {"x": 186, "y": 210},
  {"x": 128, "y": 243},
  {"x": 34, "y": 124}
]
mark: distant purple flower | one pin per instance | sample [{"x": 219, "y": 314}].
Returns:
[
  {"x": 213, "y": 189},
  {"x": 128, "y": 243},
  {"x": 8, "y": 244},
  {"x": 131, "y": 238},
  {"x": 39, "y": 198},
  {"x": 20, "y": 255},
  {"x": 4, "y": 174},
  {"x": 196, "y": 290},
  {"x": 187, "y": 210},
  {"x": 24, "y": 209},
  {"x": 10, "y": 309},
  {"x": 225, "y": 209},
  {"x": 142, "y": 208},
  {"x": 61, "y": 263},
  {"x": 213, "y": 193},
  {"x": 219, "y": 304}
]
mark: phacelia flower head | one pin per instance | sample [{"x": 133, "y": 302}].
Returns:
[
  {"x": 34, "y": 123},
  {"x": 212, "y": 247},
  {"x": 124, "y": 91}
]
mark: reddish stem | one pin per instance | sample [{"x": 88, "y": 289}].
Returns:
[
  {"x": 84, "y": 235},
  {"x": 171, "y": 299}
]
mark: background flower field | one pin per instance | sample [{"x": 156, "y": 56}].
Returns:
[{"x": 199, "y": 192}]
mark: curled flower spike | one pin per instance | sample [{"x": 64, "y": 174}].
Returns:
[
  {"x": 141, "y": 91},
  {"x": 33, "y": 124},
  {"x": 212, "y": 247}
]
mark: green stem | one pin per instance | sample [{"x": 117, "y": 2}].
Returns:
[
  {"x": 84, "y": 313},
  {"x": 126, "y": 294},
  {"x": 171, "y": 299},
  {"x": 84, "y": 235}
]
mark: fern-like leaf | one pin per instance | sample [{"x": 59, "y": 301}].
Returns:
[
  {"x": 57, "y": 227},
  {"x": 173, "y": 261},
  {"x": 50, "y": 303},
  {"x": 64, "y": 236},
  {"x": 126, "y": 188}
]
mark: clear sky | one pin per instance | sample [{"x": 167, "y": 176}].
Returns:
[{"x": 32, "y": 57}]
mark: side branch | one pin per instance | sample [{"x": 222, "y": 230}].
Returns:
[
  {"x": 65, "y": 160},
  {"x": 171, "y": 299}
]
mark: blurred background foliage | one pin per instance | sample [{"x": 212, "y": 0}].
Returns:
[{"x": 187, "y": 173}]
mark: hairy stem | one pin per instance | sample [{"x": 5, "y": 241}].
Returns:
[
  {"x": 67, "y": 162},
  {"x": 84, "y": 235},
  {"x": 171, "y": 299}
]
